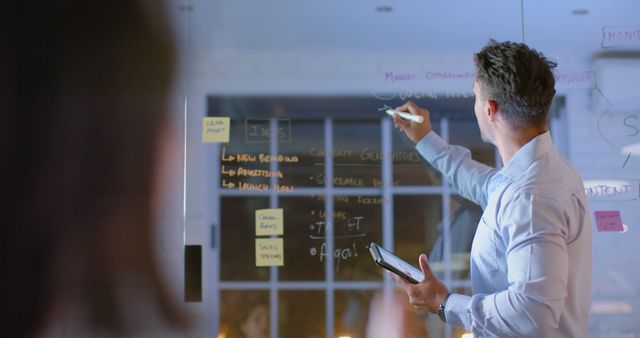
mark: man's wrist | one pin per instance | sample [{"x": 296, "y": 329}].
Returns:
[
  {"x": 420, "y": 138},
  {"x": 442, "y": 307}
]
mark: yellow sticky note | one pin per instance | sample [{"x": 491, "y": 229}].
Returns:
[
  {"x": 269, "y": 222},
  {"x": 269, "y": 252},
  {"x": 216, "y": 129}
]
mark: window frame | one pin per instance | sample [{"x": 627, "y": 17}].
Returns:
[{"x": 387, "y": 191}]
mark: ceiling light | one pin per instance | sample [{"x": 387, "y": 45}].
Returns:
[
  {"x": 633, "y": 149},
  {"x": 580, "y": 11},
  {"x": 384, "y": 9}
]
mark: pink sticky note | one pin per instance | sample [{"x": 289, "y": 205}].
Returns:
[{"x": 609, "y": 221}]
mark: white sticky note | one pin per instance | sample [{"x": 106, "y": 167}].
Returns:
[
  {"x": 269, "y": 222},
  {"x": 617, "y": 36},
  {"x": 609, "y": 221},
  {"x": 612, "y": 190},
  {"x": 269, "y": 252},
  {"x": 216, "y": 129}
]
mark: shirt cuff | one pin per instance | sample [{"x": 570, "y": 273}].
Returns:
[
  {"x": 431, "y": 145},
  {"x": 455, "y": 310}
]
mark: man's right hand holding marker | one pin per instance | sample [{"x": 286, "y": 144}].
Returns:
[{"x": 415, "y": 131}]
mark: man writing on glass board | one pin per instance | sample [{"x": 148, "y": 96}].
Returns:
[{"x": 531, "y": 254}]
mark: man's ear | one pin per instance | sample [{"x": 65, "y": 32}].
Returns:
[{"x": 491, "y": 109}]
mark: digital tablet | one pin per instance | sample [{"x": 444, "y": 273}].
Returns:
[{"x": 394, "y": 264}]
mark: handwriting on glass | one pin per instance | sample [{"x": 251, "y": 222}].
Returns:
[
  {"x": 233, "y": 172},
  {"x": 612, "y": 190},
  {"x": 346, "y": 247},
  {"x": 258, "y": 130},
  {"x": 609, "y": 221},
  {"x": 617, "y": 36}
]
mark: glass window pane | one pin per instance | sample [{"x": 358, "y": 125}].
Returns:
[
  {"x": 417, "y": 221},
  {"x": 302, "y": 314},
  {"x": 356, "y": 158},
  {"x": 303, "y": 224},
  {"x": 352, "y": 311},
  {"x": 464, "y": 217},
  {"x": 409, "y": 168},
  {"x": 357, "y": 222},
  {"x": 467, "y": 134},
  {"x": 237, "y": 245},
  {"x": 245, "y": 315},
  {"x": 307, "y": 144},
  {"x": 241, "y": 156}
]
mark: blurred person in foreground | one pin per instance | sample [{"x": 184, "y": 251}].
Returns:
[
  {"x": 252, "y": 320},
  {"x": 84, "y": 93},
  {"x": 531, "y": 254},
  {"x": 393, "y": 317}
]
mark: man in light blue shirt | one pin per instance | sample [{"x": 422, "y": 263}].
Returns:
[{"x": 531, "y": 254}]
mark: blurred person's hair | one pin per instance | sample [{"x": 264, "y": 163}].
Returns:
[
  {"x": 519, "y": 79},
  {"x": 243, "y": 312},
  {"x": 84, "y": 91}
]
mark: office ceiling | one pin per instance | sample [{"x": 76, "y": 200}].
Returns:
[{"x": 358, "y": 26}]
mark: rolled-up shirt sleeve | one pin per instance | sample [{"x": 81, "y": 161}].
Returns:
[
  {"x": 537, "y": 261},
  {"x": 469, "y": 177}
]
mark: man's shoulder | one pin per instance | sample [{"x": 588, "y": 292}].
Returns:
[{"x": 551, "y": 176}]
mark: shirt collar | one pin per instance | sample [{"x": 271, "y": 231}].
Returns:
[{"x": 526, "y": 155}]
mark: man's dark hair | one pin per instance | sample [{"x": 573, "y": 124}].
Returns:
[{"x": 518, "y": 78}]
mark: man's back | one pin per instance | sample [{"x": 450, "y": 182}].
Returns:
[
  {"x": 531, "y": 253},
  {"x": 536, "y": 223}
]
